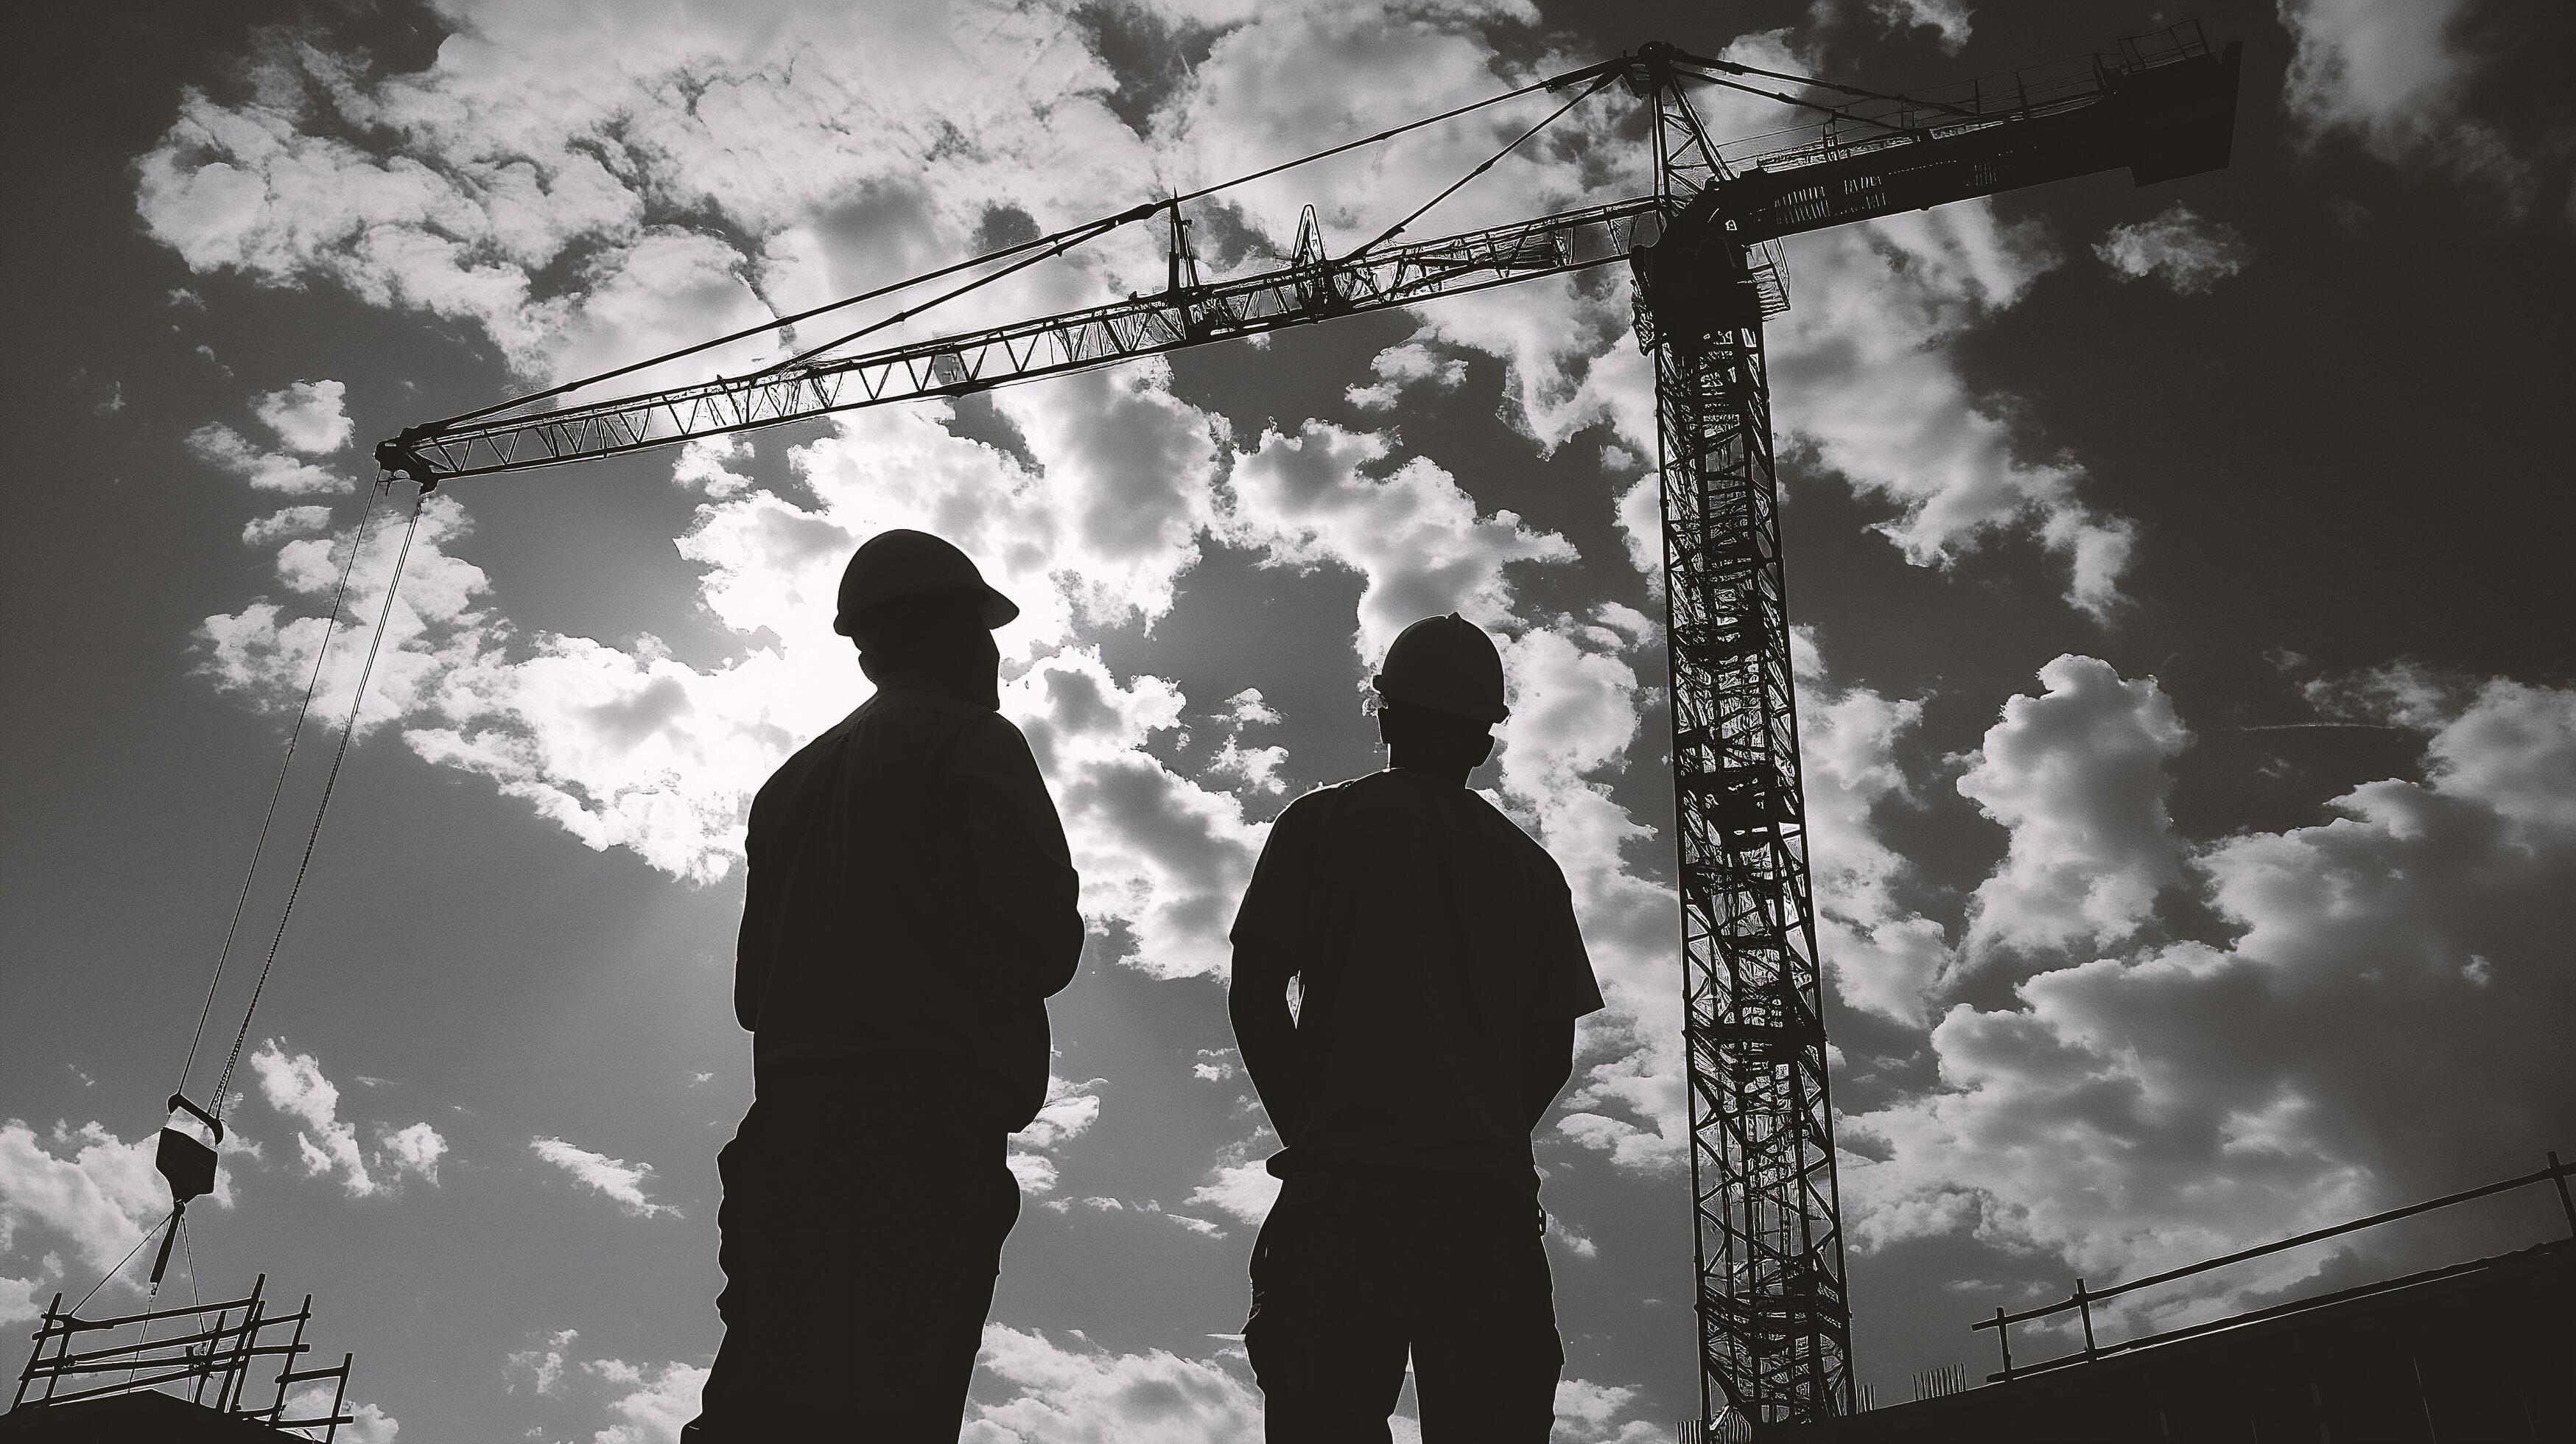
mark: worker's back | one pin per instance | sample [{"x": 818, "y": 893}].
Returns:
[
  {"x": 877, "y": 930},
  {"x": 1430, "y": 935}
]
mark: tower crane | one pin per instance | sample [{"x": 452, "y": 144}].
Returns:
[{"x": 1774, "y": 1317}]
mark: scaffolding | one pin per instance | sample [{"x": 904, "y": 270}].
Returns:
[{"x": 219, "y": 1359}]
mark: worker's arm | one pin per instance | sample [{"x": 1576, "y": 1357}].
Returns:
[
  {"x": 1547, "y": 1060},
  {"x": 1274, "y": 940},
  {"x": 1567, "y": 992},
  {"x": 754, "y": 950},
  {"x": 1026, "y": 892},
  {"x": 1266, "y": 1034}
]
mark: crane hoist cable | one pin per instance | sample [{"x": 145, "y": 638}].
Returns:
[
  {"x": 1393, "y": 231},
  {"x": 186, "y": 1155},
  {"x": 303, "y": 710},
  {"x": 1106, "y": 224},
  {"x": 330, "y": 781}
]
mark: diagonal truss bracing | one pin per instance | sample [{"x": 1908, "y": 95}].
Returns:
[
  {"x": 1774, "y": 1316},
  {"x": 1312, "y": 290}
]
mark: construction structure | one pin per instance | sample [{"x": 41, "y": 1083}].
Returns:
[
  {"x": 69, "y": 1389},
  {"x": 2476, "y": 1350},
  {"x": 1773, "y": 1310}
]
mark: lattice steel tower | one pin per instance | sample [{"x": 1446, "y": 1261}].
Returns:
[{"x": 1774, "y": 1316}]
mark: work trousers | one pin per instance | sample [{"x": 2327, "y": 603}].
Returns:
[
  {"x": 1349, "y": 1274},
  {"x": 858, "y": 1270}
]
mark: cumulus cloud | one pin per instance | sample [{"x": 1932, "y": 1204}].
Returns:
[
  {"x": 633, "y": 747},
  {"x": 1069, "y": 1111},
  {"x": 415, "y": 1150},
  {"x": 369, "y": 1423},
  {"x": 2079, "y": 775},
  {"x": 306, "y": 416},
  {"x": 616, "y": 1178},
  {"x": 1080, "y": 1394},
  {"x": 1162, "y": 853},
  {"x": 543, "y": 1365},
  {"x": 1414, "y": 534},
  {"x": 1399, "y": 367},
  {"x": 659, "y": 1399},
  {"x": 2404, "y": 78},
  {"x": 221, "y": 446},
  {"x": 1950, "y": 21},
  {"x": 18, "y": 1299},
  {"x": 292, "y": 521},
  {"x": 1881, "y": 954},
  {"x": 1864, "y": 373},
  {"x": 556, "y": 204},
  {"x": 83, "y": 1187},
  {"x": 1590, "y": 1413},
  {"x": 2178, "y": 247},
  {"x": 1240, "y": 1188},
  {"x": 295, "y": 1086},
  {"x": 1577, "y": 706},
  {"x": 2172, "y": 1100}
]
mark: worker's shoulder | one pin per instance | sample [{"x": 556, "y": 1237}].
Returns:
[
  {"x": 804, "y": 760},
  {"x": 903, "y": 727},
  {"x": 1315, "y": 805},
  {"x": 1367, "y": 801},
  {"x": 1509, "y": 837}
]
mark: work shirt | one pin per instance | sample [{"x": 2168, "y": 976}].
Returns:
[
  {"x": 910, "y": 907},
  {"x": 1435, "y": 942}
]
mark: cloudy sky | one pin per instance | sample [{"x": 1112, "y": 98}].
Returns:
[{"x": 2190, "y": 717}]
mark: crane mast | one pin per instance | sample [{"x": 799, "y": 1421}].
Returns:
[{"x": 1773, "y": 1309}]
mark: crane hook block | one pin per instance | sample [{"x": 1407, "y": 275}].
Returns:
[{"x": 187, "y": 1154}]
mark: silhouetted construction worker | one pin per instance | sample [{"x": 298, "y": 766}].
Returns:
[
  {"x": 1441, "y": 973},
  {"x": 910, "y": 907}
]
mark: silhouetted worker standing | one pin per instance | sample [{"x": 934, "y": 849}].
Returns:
[
  {"x": 1441, "y": 975},
  {"x": 910, "y": 907}
]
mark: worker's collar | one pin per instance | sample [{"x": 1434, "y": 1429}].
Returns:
[
  {"x": 910, "y": 684},
  {"x": 1429, "y": 777}
]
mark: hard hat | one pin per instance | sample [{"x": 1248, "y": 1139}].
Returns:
[
  {"x": 900, "y": 563},
  {"x": 1446, "y": 664}
]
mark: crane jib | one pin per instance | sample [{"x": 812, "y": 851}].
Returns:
[
  {"x": 2160, "y": 118},
  {"x": 1313, "y": 290}
]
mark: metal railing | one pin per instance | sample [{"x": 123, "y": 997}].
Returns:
[
  {"x": 1880, "y": 122},
  {"x": 2083, "y": 1299}
]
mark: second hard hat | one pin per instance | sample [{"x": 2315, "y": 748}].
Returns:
[
  {"x": 898, "y": 563},
  {"x": 1446, "y": 664}
]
